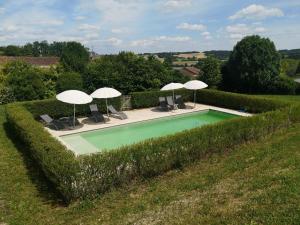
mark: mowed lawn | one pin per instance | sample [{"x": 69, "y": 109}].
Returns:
[{"x": 257, "y": 183}]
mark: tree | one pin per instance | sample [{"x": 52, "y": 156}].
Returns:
[
  {"x": 211, "y": 73},
  {"x": 128, "y": 72},
  {"x": 69, "y": 81},
  {"x": 12, "y": 50},
  {"x": 74, "y": 57},
  {"x": 25, "y": 81},
  {"x": 252, "y": 66}
]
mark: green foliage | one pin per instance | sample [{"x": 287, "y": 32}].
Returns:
[
  {"x": 11, "y": 50},
  {"x": 128, "y": 72},
  {"x": 283, "y": 85},
  {"x": 74, "y": 57},
  {"x": 253, "y": 66},
  {"x": 6, "y": 95},
  {"x": 289, "y": 67},
  {"x": 211, "y": 72},
  {"x": 49, "y": 77},
  {"x": 58, "y": 164},
  {"x": 59, "y": 109},
  {"x": 148, "y": 99},
  {"x": 210, "y": 97},
  {"x": 25, "y": 81},
  {"x": 69, "y": 81},
  {"x": 90, "y": 175}
]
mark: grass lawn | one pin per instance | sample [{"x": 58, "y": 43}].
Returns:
[{"x": 257, "y": 183}]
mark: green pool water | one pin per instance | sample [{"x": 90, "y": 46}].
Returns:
[{"x": 114, "y": 137}]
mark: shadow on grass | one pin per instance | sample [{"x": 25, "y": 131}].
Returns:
[{"x": 45, "y": 188}]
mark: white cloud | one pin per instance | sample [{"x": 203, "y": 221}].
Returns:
[
  {"x": 260, "y": 29},
  {"x": 80, "y": 17},
  {"x": 114, "y": 41},
  {"x": 171, "y": 5},
  {"x": 187, "y": 26},
  {"x": 88, "y": 27},
  {"x": 256, "y": 12},
  {"x": 238, "y": 28},
  {"x": 239, "y": 31},
  {"x": 119, "y": 30},
  {"x": 156, "y": 40},
  {"x": 206, "y": 35}
]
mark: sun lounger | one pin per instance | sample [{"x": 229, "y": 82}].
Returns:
[
  {"x": 69, "y": 121},
  {"x": 170, "y": 102},
  {"x": 163, "y": 105},
  {"x": 179, "y": 101},
  {"x": 117, "y": 114},
  {"x": 51, "y": 123},
  {"x": 96, "y": 116}
]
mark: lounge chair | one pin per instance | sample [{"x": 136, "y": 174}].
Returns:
[
  {"x": 179, "y": 101},
  {"x": 96, "y": 116},
  {"x": 51, "y": 123},
  {"x": 117, "y": 114},
  {"x": 170, "y": 102},
  {"x": 163, "y": 105},
  {"x": 69, "y": 121}
]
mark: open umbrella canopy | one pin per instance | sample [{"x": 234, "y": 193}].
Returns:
[
  {"x": 106, "y": 93},
  {"x": 172, "y": 86},
  {"x": 74, "y": 97},
  {"x": 195, "y": 85}
]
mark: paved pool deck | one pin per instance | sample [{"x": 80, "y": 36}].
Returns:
[{"x": 138, "y": 115}]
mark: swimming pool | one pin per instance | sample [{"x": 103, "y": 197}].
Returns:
[{"x": 117, "y": 136}]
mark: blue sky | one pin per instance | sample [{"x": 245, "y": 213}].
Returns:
[{"x": 110, "y": 26}]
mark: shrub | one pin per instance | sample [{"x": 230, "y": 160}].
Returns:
[
  {"x": 283, "y": 85},
  {"x": 150, "y": 98},
  {"x": 25, "y": 81},
  {"x": 69, "y": 81},
  {"x": 58, "y": 109},
  {"x": 6, "y": 95}
]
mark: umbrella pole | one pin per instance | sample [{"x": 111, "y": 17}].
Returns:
[
  {"x": 106, "y": 108},
  {"x": 173, "y": 99},
  {"x": 74, "y": 117},
  {"x": 194, "y": 99}
]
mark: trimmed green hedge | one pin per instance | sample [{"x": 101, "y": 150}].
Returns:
[
  {"x": 150, "y": 98},
  {"x": 211, "y": 97},
  {"x": 90, "y": 175},
  {"x": 58, "y": 163},
  {"x": 58, "y": 109}
]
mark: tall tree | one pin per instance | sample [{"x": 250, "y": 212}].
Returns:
[
  {"x": 253, "y": 65},
  {"x": 74, "y": 57},
  {"x": 211, "y": 73}
]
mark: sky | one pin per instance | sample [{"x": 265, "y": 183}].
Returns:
[{"x": 111, "y": 26}]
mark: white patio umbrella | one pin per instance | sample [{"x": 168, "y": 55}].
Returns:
[
  {"x": 106, "y": 93},
  {"x": 195, "y": 85},
  {"x": 173, "y": 87},
  {"x": 74, "y": 97}
]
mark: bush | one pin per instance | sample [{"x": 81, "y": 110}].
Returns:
[
  {"x": 150, "y": 98},
  {"x": 25, "y": 81},
  {"x": 59, "y": 109},
  {"x": 90, "y": 175},
  {"x": 69, "y": 81},
  {"x": 283, "y": 85},
  {"x": 211, "y": 97},
  {"x": 6, "y": 95}
]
